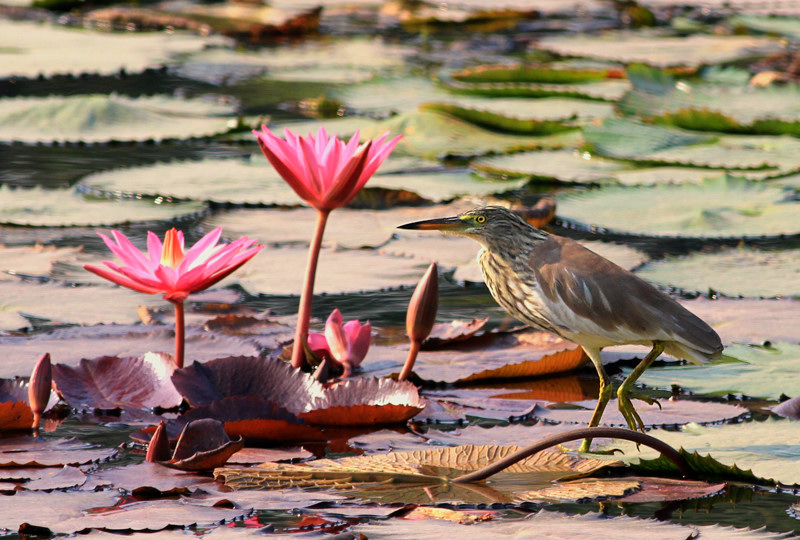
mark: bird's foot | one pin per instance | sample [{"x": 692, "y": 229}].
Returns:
[{"x": 632, "y": 417}]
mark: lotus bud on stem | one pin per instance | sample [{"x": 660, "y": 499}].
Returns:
[
  {"x": 39, "y": 390},
  {"x": 158, "y": 449},
  {"x": 421, "y": 315}
]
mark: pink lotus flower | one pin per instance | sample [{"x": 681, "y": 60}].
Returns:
[
  {"x": 326, "y": 173},
  {"x": 173, "y": 271},
  {"x": 346, "y": 344}
]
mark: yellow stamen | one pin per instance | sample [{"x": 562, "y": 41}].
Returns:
[{"x": 172, "y": 253}]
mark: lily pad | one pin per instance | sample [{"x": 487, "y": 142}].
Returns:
[
  {"x": 33, "y": 452},
  {"x": 100, "y": 118},
  {"x": 30, "y": 49},
  {"x": 768, "y": 447},
  {"x": 363, "y": 401},
  {"x": 432, "y": 135},
  {"x": 713, "y": 107},
  {"x": 660, "y": 50},
  {"x": 722, "y": 207},
  {"x": 666, "y": 413},
  {"x": 606, "y": 90},
  {"x": 734, "y": 272},
  {"x": 110, "y": 382},
  {"x": 38, "y": 207},
  {"x": 551, "y": 166},
  {"x": 146, "y": 476},
  {"x": 765, "y": 372},
  {"x": 31, "y": 261}
]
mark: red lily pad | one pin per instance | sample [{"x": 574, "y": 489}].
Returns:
[
  {"x": 30, "y": 452},
  {"x": 15, "y": 413},
  {"x": 363, "y": 401},
  {"x": 203, "y": 445},
  {"x": 110, "y": 382},
  {"x": 671, "y": 489},
  {"x": 670, "y": 413},
  {"x": 443, "y": 334},
  {"x": 491, "y": 356},
  {"x": 251, "y": 417}
]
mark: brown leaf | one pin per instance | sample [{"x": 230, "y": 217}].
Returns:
[
  {"x": 109, "y": 382},
  {"x": 456, "y": 516},
  {"x": 584, "y": 490},
  {"x": 15, "y": 416},
  {"x": 671, "y": 489},
  {"x": 560, "y": 362},
  {"x": 444, "y": 334},
  {"x": 203, "y": 445}
]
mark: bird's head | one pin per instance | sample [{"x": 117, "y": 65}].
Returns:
[{"x": 488, "y": 225}]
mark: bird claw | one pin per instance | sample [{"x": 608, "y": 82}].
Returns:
[{"x": 632, "y": 417}]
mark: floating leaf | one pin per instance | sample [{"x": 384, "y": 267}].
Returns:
[
  {"x": 66, "y": 477},
  {"x": 203, "y": 445},
  {"x": 670, "y": 489},
  {"x": 722, "y": 207},
  {"x": 15, "y": 410},
  {"x": 66, "y": 208},
  {"x": 31, "y": 452},
  {"x": 51, "y": 510},
  {"x": 768, "y": 448},
  {"x": 405, "y": 472},
  {"x": 768, "y": 110},
  {"x": 500, "y": 121},
  {"x": 734, "y": 272},
  {"x": 101, "y": 118},
  {"x": 551, "y": 166},
  {"x": 432, "y": 135},
  {"x": 147, "y": 477},
  {"x": 787, "y": 26},
  {"x": 584, "y": 490},
  {"x": 32, "y": 261},
  {"x": 363, "y": 401},
  {"x": 527, "y": 73},
  {"x": 46, "y": 49},
  {"x": 109, "y": 382},
  {"x": 631, "y": 139},
  {"x": 659, "y": 50},
  {"x": 666, "y": 413},
  {"x": 444, "y": 334},
  {"x": 788, "y": 409},
  {"x": 491, "y": 356},
  {"x": 765, "y": 372}
]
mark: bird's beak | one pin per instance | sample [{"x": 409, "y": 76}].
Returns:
[{"x": 454, "y": 223}]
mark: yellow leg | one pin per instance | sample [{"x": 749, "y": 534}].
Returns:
[
  {"x": 625, "y": 406},
  {"x": 602, "y": 398}
]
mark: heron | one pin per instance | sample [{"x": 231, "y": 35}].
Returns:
[{"x": 555, "y": 284}]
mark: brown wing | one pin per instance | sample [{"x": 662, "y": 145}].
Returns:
[{"x": 616, "y": 301}]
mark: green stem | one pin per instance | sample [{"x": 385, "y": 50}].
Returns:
[
  {"x": 306, "y": 296},
  {"x": 180, "y": 335}
]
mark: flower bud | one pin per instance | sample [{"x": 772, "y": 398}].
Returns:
[
  {"x": 39, "y": 389},
  {"x": 423, "y": 305},
  {"x": 158, "y": 449}
]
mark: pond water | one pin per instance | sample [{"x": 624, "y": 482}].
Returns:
[{"x": 430, "y": 77}]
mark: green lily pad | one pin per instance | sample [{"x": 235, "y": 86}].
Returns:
[
  {"x": 109, "y": 117},
  {"x": 735, "y": 272},
  {"x": 702, "y": 106},
  {"x": 722, "y": 207},
  {"x": 654, "y": 49},
  {"x": 432, "y": 135},
  {"x": 551, "y": 166},
  {"x": 609, "y": 90},
  {"x": 30, "y": 49},
  {"x": 765, "y": 372},
  {"x": 630, "y": 139},
  {"x": 769, "y": 448},
  {"x": 525, "y": 73},
  {"x": 65, "y": 207},
  {"x": 502, "y": 121}
]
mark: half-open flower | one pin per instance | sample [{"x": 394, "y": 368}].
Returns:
[
  {"x": 169, "y": 268},
  {"x": 347, "y": 344},
  {"x": 324, "y": 171}
]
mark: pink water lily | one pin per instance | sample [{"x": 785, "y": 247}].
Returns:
[
  {"x": 326, "y": 173},
  {"x": 347, "y": 344},
  {"x": 172, "y": 270}
]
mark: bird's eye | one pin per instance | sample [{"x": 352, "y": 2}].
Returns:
[{"x": 480, "y": 219}]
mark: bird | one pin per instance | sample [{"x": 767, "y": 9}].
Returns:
[{"x": 554, "y": 283}]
